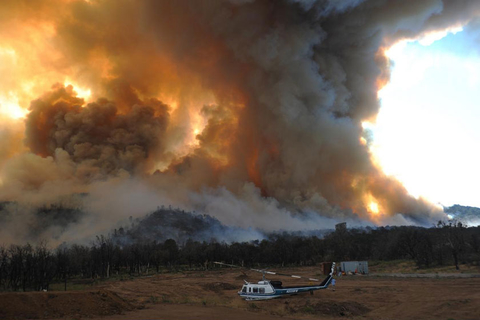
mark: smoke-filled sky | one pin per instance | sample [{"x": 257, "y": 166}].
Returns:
[
  {"x": 438, "y": 82},
  {"x": 250, "y": 111}
]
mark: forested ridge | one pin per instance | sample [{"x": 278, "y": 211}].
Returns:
[{"x": 160, "y": 242}]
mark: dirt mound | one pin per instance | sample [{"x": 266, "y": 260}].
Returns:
[
  {"x": 42, "y": 305},
  {"x": 330, "y": 308},
  {"x": 219, "y": 286},
  {"x": 241, "y": 276}
]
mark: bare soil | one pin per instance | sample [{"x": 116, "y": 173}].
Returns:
[
  {"x": 212, "y": 295},
  {"x": 70, "y": 305}
]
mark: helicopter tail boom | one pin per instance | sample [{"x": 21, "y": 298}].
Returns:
[{"x": 329, "y": 278}]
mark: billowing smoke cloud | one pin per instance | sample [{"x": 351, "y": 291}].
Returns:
[
  {"x": 98, "y": 139},
  {"x": 250, "y": 111}
]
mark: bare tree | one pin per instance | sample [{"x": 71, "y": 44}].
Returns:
[{"x": 453, "y": 233}]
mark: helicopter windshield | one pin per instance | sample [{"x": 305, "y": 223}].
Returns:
[{"x": 244, "y": 289}]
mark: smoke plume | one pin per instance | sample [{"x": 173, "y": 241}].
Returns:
[{"x": 250, "y": 111}]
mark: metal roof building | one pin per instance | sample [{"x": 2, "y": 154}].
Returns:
[{"x": 353, "y": 267}]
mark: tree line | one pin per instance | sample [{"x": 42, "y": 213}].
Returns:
[{"x": 28, "y": 267}]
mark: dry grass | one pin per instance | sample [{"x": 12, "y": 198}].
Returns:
[{"x": 408, "y": 266}]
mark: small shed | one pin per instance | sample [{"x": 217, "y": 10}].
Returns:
[
  {"x": 326, "y": 267},
  {"x": 354, "y": 267}
]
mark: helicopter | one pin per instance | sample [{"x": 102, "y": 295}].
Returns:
[{"x": 266, "y": 289}]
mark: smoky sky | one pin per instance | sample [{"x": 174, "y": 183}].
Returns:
[{"x": 249, "y": 110}]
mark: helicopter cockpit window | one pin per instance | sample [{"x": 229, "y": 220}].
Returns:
[
  {"x": 255, "y": 290},
  {"x": 261, "y": 290},
  {"x": 250, "y": 289},
  {"x": 244, "y": 289}
]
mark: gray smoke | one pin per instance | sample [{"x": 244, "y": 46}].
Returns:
[{"x": 281, "y": 88}]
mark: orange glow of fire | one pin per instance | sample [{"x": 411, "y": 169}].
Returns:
[
  {"x": 25, "y": 66},
  {"x": 197, "y": 124},
  {"x": 367, "y": 204},
  {"x": 9, "y": 107},
  {"x": 373, "y": 207},
  {"x": 81, "y": 92},
  {"x": 30, "y": 63}
]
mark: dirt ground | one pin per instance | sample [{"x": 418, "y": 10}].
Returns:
[{"x": 212, "y": 295}]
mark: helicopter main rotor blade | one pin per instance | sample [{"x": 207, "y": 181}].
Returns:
[
  {"x": 284, "y": 275},
  {"x": 295, "y": 276},
  {"x": 263, "y": 271},
  {"x": 226, "y": 264},
  {"x": 268, "y": 272}
]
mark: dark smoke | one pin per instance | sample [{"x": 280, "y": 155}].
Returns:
[
  {"x": 281, "y": 89},
  {"x": 98, "y": 139}
]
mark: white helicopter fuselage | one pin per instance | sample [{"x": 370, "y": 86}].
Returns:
[
  {"x": 258, "y": 291},
  {"x": 264, "y": 290}
]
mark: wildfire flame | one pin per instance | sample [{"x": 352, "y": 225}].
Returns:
[
  {"x": 9, "y": 106},
  {"x": 176, "y": 94},
  {"x": 80, "y": 92},
  {"x": 373, "y": 206}
]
